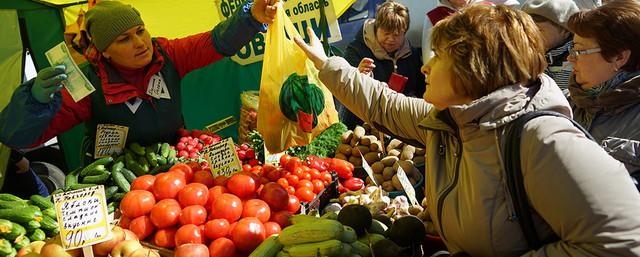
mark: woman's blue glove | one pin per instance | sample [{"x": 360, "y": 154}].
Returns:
[{"x": 47, "y": 83}]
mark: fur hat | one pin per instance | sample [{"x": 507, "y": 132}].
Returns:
[{"x": 556, "y": 11}]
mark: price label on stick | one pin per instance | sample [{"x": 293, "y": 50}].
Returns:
[
  {"x": 408, "y": 188},
  {"x": 223, "y": 158},
  {"x": 367, "y": 168},
  {"x": 82, "y": 217}
]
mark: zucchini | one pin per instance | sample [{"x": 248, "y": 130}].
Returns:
[
  {"x": 32, "y": 225},
  {"x": 37, "y": 235},
  {"x": 21, "y": 215},
  {"x": 5, "y": 227},
  {"x": 12, "y": 204},
  {"x": 96, "y": 179},
  {"x": 137, "y": 149},
  {"x": 41, "y": 201},
  {"x": 48, "y": 224},
  {"x": 110, "y": 191},
  {"x": 164, "y": 150},
  {"x": 9, "y": 197},
  {"x": 102, "y": 161},
  {"x": 21, "y": 241},
  {"x": 121, "y": 181},
  {"x": 128, "y": 174},
  {"x": 16, "y": 231},
  {"x": 5, "y": 247},
  {"x": 51, "y": 213}
]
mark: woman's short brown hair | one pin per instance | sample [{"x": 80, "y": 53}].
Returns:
[
  {"x": 392, "y": 17},
  {"x": 615, "y": 26},
  {"x": 491, "y": 47}
]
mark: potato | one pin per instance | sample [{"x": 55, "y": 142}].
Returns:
[
  {"x": 378, "y": 178},
  {"x": 375, "y": 146},
  {"x": 420, "y": 151},
  {"x": 341, "y": 156},
  {"x": 394, "y": 144},
  {"x": 387, "y": 173},
  {"x": 418, "y": 160},
  {"x": 356, "y": 161},
  {"x": 394, "y": 152},
  {"x": 367, "y": 140},
  {"x": 396, "y": 183},
  {"x": 377, "y": 167},
  {"x": 344, "y": 149},
  {"x": 389, "y": 161},
  {"x": 372, "y": 157},
  {"x": 346, "y": 137},
  {"x": 407, "y": 152},
  {"x": 388, "y": 186},
  {"x": 358, "y": 132}
]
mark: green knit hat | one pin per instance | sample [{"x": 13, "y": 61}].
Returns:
[{"x": 108, "y": 19}]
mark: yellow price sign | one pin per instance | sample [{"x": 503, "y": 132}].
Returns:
[{"x": 82, "y": 217}]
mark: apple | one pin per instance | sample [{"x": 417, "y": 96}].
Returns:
[
  {"x": 125, "y": 248},
  {"x": 144, "y": 252},
  {"x": 104, "y": 248},
  {"x": 33, "y": 247}
]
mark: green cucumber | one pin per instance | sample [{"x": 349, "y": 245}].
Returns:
[
  {"x": 102, "y": 161},
  {"x": 41, "y": 201},
  {"x": 37, "y": 235},
  {"x": 121, "y": 181},
  {"x": 128, "y": 174},
  {"x": 137, "y": 149},
  {"x": 21, "y": 215},
  {"x": 164, "y": 150},
  {"x": 96, "y": 179}
]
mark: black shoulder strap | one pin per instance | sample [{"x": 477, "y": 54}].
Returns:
[{"x": 513, "y": 170}]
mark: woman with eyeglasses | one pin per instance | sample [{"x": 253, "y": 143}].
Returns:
[{"x": 605, "y": 92}]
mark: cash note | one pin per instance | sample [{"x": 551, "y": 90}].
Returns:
[{"x": 76, "y": 84}]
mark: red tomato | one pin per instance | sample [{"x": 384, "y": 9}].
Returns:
[
  {"x": 216, "y": 228},
  {"x": 168, "y": 184},
  {"x": 220, "y": 181},
  {"x": 191, "y": 250},
  {"x": 142, "y": 227},
  {"x": 294, "y": 204},
  {"x": 242, "y": 185},
  {"x": 165, "y": 213},
  {"x": 248, "y": 234},
  {"x": 193, "y": 194},
  {"x": 137, "y": 203},
  {"x": 188, "y": 234},
  {"x": 284, "y": 159},
  {"x": 305, "y": 194},
  {"x": 318, "y": 185},
  {"x": 282, "y": 218},
  {"x": 226, "y": 206},
  {"x": 144, "y": 182},
  {"x": 193, "y": 214},
  {"x": 185, "y": 170},
  {"x": 203, "y": 177},
  {"x": 256, "y": 208},
  {"x": 222, "y": 247},
  {"x": 271, "y": 228},
  {"x": 304, "y": 183},
  {"x": 165, "y": 237},
  {"x": 275, "y": 195}
]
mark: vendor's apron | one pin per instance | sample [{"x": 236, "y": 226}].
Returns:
[{"x": 155, "y": 120}]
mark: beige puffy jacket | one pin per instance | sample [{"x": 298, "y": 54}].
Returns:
[{"x": 577, "y": 190}]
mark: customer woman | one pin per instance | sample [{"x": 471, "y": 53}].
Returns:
[
  {"x": 488, "y": 71},
  {"x": 605, "y": 91}
]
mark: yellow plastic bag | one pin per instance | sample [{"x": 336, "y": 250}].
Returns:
[{"x": 294, "y": 105}]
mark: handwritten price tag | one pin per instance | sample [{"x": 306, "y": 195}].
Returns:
[
  {"x": 223, "y": 158},
  {"x": 408, "y": 188},
  {"x": 82, "y": 217}
]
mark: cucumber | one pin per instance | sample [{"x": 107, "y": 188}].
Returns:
[
  {"x": 48, "y": 224},
  {"x": 121, "y": 181},
  {"x": 110, "y": 191},
  {"x": 32, "y": 225},
  {"x": 5, "y": 227},
  {"x": 102, "y": 161},
  {"x": 22, "y": 214},
  {"x": 128, "y": 174},
  {"x": 37, "y": 235},
  {"x": 96, "y": 179},
  {"x": 5, "y": 247},
  {"x": 41, "y": 201},
  {"x": 164, "y": 150},
  {"x": 9, "y": 197},
  {"x": 16, "y": 231},
  {"x": 137, "y": 149},
  {"x": 21, "y": 241},
  {"x": 12, "y": 204},
  {"x": 51, "y": 213}
]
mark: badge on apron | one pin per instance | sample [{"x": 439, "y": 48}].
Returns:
[
  {"x": 110, "y": 139},
  {"x": 157, "y": 88}
]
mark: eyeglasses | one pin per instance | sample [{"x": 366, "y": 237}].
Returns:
[{"x": 575, "y": 53}]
